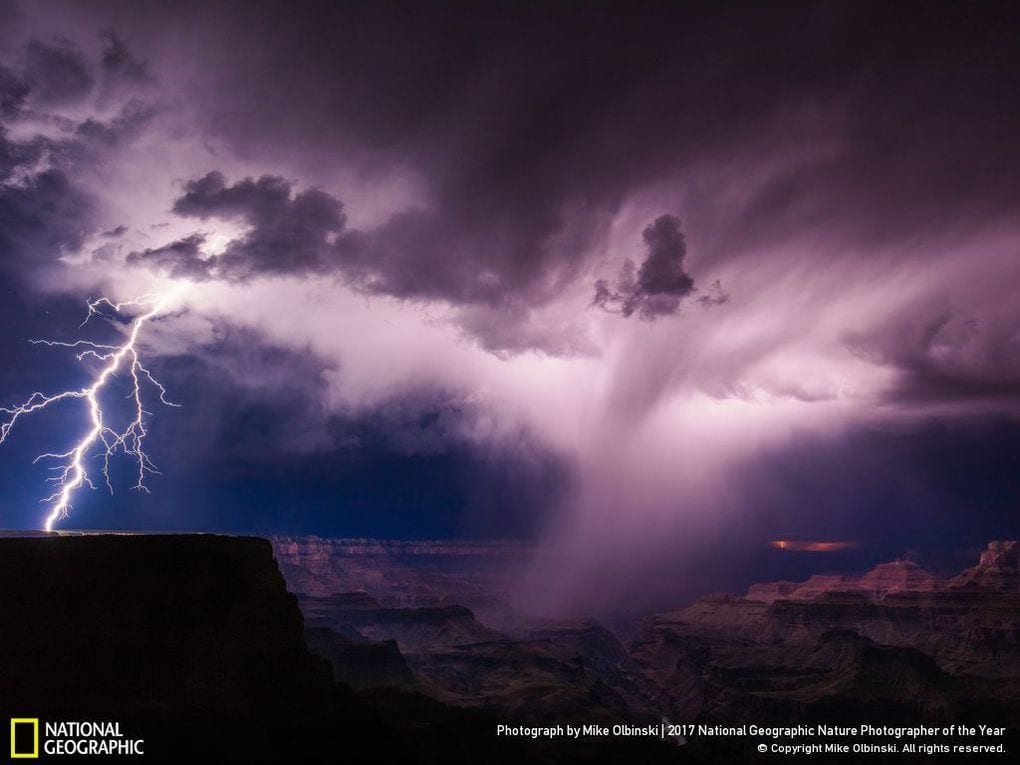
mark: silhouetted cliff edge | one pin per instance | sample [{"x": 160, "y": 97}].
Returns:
[{"x": 192, "y": 642}]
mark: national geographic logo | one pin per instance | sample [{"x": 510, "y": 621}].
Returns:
[
  {"x": 24, "y": 738},
  {"x": 99, "y": 738}
]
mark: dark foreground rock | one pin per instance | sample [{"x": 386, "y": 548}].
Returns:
[
  {"x": 191, "y": 642},
  {"x": 361, "y": 663}
]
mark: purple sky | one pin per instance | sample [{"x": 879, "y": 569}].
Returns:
[{"x": 639, "y": 281}]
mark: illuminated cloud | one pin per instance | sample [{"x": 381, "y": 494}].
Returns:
[{"x": 409, "y": 212}]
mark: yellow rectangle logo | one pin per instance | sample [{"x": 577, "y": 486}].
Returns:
[{"x": 16, "y": 722}]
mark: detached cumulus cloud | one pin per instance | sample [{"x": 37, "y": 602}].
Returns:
[{"x": 656, "y": 287}]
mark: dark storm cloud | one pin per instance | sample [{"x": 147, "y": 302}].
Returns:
[
  {"x": 530, "y": 125},
  {"x": 41, "y": 217},
  {"x": 528, "y": 119},
  {"x": 656, "y": 287},
  {"x": 126, "y": 125},
  {"x": 942, "y": 355},
  {"x": 57, "y": 72},
  {"x": 43, "y": 212},
  {"x": 254, "y": 415},
  {"x": 511, "y": 330},
  {"x": 257, "y": 400},
  {"x": 270, "y": 401},
  {"x": 286, "y": 233},
  {"x": 45, "y": 209},
  {"x": 262, "y": 401},
  {"x": 12, "y": 92},
  {"x": 305, "y": 232},
  {"x": 182, "y": 258},
  {"x": 119, "y": 63}
]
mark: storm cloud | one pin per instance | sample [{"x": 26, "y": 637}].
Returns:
[
  {"x": 57, "y": 72},
  {"x": 286, "y": 233},
  {"x": 50, "y": 157},
  {"x": 409, "y": 208},
  {"x": 516, "y": 142}
]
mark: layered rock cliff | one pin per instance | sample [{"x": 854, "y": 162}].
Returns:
[
  {"x": 557, "y": 673},
  {"x": 998, "y": 569},
  {"x": 784, "y": 648},
  {"x": 406, "y": 574},
  {"x": 967, "y": 623},
  {"x": 897, "y": 643}
]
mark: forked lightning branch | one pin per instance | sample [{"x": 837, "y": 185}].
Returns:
[{"x": 73, "y": 468}]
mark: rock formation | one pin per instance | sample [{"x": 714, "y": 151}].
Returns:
[{"x": 897, "y": 643}]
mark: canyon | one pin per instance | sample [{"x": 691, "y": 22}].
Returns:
[
  {"x": 895, "y": 643},
  {"x": 288, "y": 650}
]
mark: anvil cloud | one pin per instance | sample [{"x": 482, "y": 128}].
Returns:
[{"x": 632, "y": 278}]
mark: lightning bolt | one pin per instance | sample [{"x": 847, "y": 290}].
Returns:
[{"x": 71, "y": 473}]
